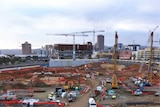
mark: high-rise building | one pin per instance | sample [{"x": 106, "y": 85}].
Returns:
[
  {"x": 100, "y": 42},
  {"x": 26, "y": 48}
]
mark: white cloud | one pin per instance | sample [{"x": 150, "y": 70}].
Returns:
[{"x": 31, "y": 20}]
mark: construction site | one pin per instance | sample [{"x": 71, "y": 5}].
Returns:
[
  {"x": 104, "y": 83},
  {"x": 41, "y": 87}
]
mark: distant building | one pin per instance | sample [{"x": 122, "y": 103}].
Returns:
[
  {"x": 125, "y": 54},
  {"x": 120, "y": 46},
  {"x": 65, "y": 51},
  {"x": 133, "y": 47},
  {"x": 145, "y": 54},
  {"x": 49, "y": 50},
  {"x": 100, "y": 43},
  {"x": 26, "y": 48}
]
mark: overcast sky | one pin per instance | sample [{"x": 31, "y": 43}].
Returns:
[{"x": 31, "y": 20}]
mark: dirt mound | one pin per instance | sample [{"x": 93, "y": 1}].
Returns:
[
  {"x": 7, "y": 85},
  {"x": 39, "y": 83},
  {"x": 111, "y": 66}
]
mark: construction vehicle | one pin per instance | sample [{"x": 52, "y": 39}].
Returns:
[
  {"x": 65, "y": 87},
  {"x": 114, "y": 78},
  {"x": 92, "y": 102},
  {"x": 59, "y": 92},
  {"x": 72, "y": 96},
  {"x": 71, "y": 85},
  {"x": 29, "y": 102},
  {"x": 139, "y": 90},
  {"x": 150, "y": 61},
  {"x": 112, "y": 94},
  {"x": 7, "y": 96},
  {"x": 52, "y": 96},
  {"x": 142, "y": 83},
  {"x": 150, "y": 72}
]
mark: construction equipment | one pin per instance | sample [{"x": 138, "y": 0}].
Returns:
[
  {"x": 70, "y": 84},
  {"x": 52, "y": 96},
  {"x": 148, "y": 82},
  {"x": 139, "y": 90},
  {"x": 150, "y": 60},
  {"x": 114, "y": 78},
  {"x": 7, "y": 96},
  {"x": 29, "y": 102},
  {"x": 72, "y": 96},
  {"x": 112, "y": 94},
  {"x": 92, "y": 102}
]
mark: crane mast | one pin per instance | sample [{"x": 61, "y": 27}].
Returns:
[
  {"x": 150, "y": 61},
  {"x": 114, "y": 78},
  {"x": 150, "y": 73}
]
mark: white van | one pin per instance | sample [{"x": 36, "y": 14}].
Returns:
[{"x": 92, "y": 102}]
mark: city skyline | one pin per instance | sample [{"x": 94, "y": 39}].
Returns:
[{"x": 30, "y": 21}]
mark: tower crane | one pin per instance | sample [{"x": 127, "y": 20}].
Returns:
[
  {"x": 74, "y": 48},
  {"x": 93, "y": 31},
  {"x": 114, "y": 78},
  {"x": 150, "y": 73}
]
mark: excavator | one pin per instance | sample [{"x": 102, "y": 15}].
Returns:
[{"x": 114, "y": 78}]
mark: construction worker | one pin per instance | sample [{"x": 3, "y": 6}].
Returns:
[{"x": 77, "y": 90}]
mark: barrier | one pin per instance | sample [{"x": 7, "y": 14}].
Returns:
[{"x": 20, "y": 102}]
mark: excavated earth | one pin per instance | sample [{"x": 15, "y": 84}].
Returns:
[{"x": 38, "y": 79}]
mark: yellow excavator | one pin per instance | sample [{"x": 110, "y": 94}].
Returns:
[{"x": 114, "y": 78}]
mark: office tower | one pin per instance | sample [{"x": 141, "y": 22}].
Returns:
[
  {"x": 26, "y": 48},
  {"x": 100, "y": 42}
]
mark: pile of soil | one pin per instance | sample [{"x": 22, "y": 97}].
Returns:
[
  {"x": 39, "y": 83},
  {"x": 5, "y": 86}
]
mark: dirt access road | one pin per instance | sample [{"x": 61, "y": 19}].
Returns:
[{"x": 83, "y": 100}]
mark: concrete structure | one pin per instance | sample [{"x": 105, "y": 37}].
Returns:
[
  {"x": 100, "y": 43},
  {"x": 133, "y": 47},
  {"x": 26, "y": 48},
  {"x": 125, "y": 54},
  {"x": 65, "y": 51},
  {"x": 71, "y": 63},
  {"x": 49, "y": 49},
  {"x": 145, "y": 54}
]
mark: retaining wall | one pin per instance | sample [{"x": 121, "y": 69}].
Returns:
[{"x": 71, "y": 63}]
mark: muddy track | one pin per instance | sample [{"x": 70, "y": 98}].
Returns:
[{"x": 83, "y": 100}]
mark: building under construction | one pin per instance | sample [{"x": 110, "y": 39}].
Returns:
[{"x": 65, "y": 51}]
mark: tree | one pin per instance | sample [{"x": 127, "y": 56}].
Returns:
[
  {"x": 134, "y": 56},
  {"x": 35, "y": 58},
  {"x": 28, "y": 58}
]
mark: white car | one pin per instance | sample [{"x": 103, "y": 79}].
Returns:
[{"x": 92, "y": 102}]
